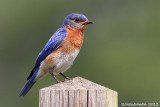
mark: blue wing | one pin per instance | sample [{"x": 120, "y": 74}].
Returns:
[
  {"x": 53, "y": 43},
  {"x": 29, "y": 84}
]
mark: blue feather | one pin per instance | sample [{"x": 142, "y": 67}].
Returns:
[
  {"x": 29, "y": 84},
  {"x": 52, "y": 44}
]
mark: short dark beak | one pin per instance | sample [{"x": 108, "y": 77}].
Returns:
[{"x": 87, "y": 22}]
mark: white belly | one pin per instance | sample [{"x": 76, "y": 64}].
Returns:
[
  {"x": 64, "y": 61},
  {"x": 61, "y": 62}
]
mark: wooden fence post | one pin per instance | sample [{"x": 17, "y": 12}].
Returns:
[{"x": 78, "y": 92}]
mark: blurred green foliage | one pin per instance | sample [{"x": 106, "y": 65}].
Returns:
[{"x": 121, "y": 49}]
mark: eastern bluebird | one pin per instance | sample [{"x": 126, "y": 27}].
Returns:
[{"x": 60, "y": 51}]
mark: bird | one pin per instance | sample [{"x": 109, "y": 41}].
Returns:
[{"x": 60, "y": 51}]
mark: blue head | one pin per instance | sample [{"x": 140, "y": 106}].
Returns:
[{"x": 76, "y": 20}]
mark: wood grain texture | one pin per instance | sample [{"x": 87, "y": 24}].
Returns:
[{"x": 78, "y": 92}]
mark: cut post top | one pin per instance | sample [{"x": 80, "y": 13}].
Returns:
[{"x": 77, "y": 92}]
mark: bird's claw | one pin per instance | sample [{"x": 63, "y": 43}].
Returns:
[
  {"x": 58, "y": 82},
  {"x": 67, "y": 79}
]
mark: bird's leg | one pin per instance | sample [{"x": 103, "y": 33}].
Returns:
[
  {"x": 55, "y": 77},
  {"x": 65, "y": 76},
  {"x": 50, "y": 71}
]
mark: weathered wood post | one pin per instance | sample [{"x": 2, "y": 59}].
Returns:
[{"x": 78, "y": 92}]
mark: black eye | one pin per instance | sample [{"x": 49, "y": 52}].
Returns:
[{"x": 77, "y": 19}]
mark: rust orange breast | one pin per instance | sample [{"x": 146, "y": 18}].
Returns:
[{"x": 74, "y": 40}]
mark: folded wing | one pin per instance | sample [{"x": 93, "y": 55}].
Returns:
[{"x": 53, "y": 43}]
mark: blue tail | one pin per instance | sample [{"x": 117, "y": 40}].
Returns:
[{"x": 29, "y": 84}]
